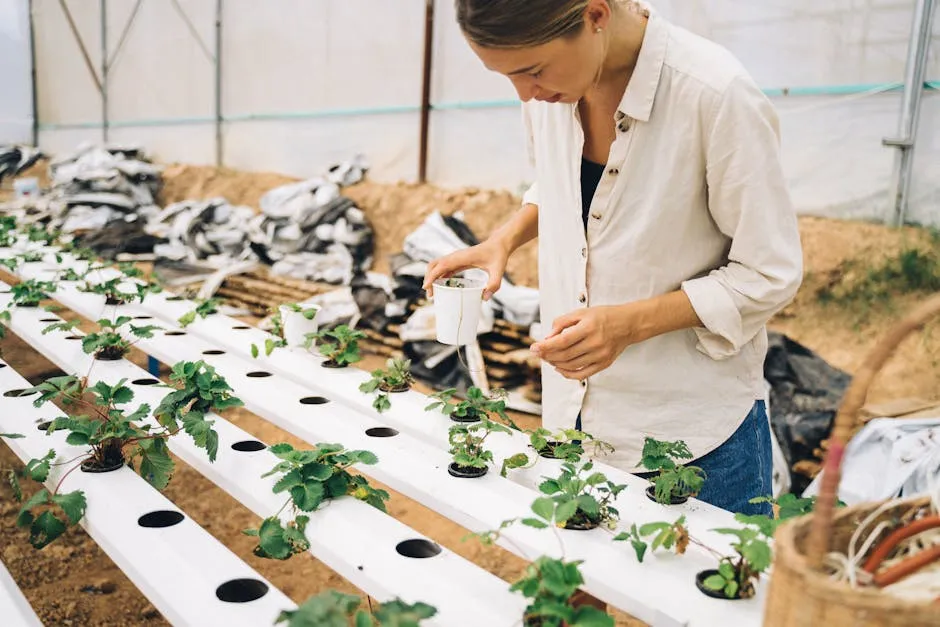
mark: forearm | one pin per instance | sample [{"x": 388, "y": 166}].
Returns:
[
  {"x": 655, "y": 316},
  {"x": 522, "y": 228}
]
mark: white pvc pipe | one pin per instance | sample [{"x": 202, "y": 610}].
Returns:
[
  {"x": 178, "y": 568},
  {"x": 355, "y": 539},
  {"x": 660, "y": 591}
]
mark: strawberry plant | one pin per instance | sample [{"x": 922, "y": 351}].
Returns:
[
  {"x": 336, "y": 609},
  {"x": 340, "y": 346},
  {"x": 311, "y": 477},
  {"x": 396, "y": 377},
  {"x": 108, "y": 343},
  {"x": 203, "y": 309},
  {"x": 38, "y": 233},
  {"x": 550, "y": 585},
  {"x": 70, "y": 274},
  {"x": 477, "y": 405},
  {"x": 674, "y": 483},
  {"x": 573, "y": 501},
  {"x": 470, "y": 458},
  {"x": 113, "y": 294},
  {"x": 277, "y": 329},
  {"x": 115, "y": 438},
  {"x": 29, "y": 293},
  {"x": 673, "y": 536},
  {"x": 566, "y": 444},
  {"x": 736, "y": 574}
]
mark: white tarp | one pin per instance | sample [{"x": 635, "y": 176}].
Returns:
[{"x": 16, "y": 104}]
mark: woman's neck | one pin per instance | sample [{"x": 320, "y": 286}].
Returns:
[{"x": 625, "y": 40}]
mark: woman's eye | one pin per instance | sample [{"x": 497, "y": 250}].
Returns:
[{"x": 536, "y": 74}]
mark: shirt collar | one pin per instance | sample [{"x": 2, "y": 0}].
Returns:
[{"x": 637, "y": 101}]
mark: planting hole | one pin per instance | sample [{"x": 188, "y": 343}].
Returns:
[
  {"x": 213, "y": 352},
  {"x": 241, "y": 327},
  {"x": 175, "y": 333},
  {"x": 143, "y": 317},
  {"x": 418, "y": 548},
  {"x": 258, "y": 374},
  {"x": 381, "y": 432},
  {"x": 19, "y": 393},
  {"x": 48, "y": 319},
  {"x": 241, "y": 590},
  {"x": 174, "y": 298},
  {"x": 3, "y": 365},
  {"x": 249, "y": 446},
  {"x": 42, "y": 426},
  {"x": 73, "y": 337},
  {"x": 160, "y": 519},
  {"x": 145, "y": 381},
  {"x": 314, "y": 400}
]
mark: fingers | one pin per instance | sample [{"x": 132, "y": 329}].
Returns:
[
  {"x": 493, "y": 284},
  {"x": 583, "y": 373},
  {"x": 578, "y": 360},
  {"x": 441, "y": 269},
  {"x": 554, "y": 347}
]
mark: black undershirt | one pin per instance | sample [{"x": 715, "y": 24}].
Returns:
[{"x": 591, "y": 174}]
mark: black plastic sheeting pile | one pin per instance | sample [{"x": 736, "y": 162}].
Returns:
[
  {"x": 14, "y": 159},
  {"x": 102, "y": 196},
  {"x": 805, "y": 393}
]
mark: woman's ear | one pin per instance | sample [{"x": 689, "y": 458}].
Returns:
[{"x": 597, "y": 15}]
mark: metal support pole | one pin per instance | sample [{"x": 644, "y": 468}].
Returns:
[
  {"x": 104, "y": 71},
  {"x": 914, "y": 76},
  {"x": 218, "y": 83},
  {"x": 32, "y": 63},
  {"x": 426, "y": 91}
]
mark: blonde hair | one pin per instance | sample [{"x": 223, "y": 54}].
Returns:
[{"x": 524, "y": 23}]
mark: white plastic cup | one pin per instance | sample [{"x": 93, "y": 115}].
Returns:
[
  {"x": 457, "y": 311},
  {"x": 296, "y": 326},
  {"x": 25, "y": 188}
]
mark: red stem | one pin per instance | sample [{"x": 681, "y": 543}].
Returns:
[
  {"x": 907, "y": 566},
  {"x": 70, "y": 471},
  {"x": 885, "y": 546}
]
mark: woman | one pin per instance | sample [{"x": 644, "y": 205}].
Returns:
[{"x": 687, "y": 241}]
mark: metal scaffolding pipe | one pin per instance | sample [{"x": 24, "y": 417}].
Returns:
[
  {"x": 32, "y": 65},
  {"x": 914, "y": 87},
  {"x": 218, "y": 83},
  {"x": 104, "y": 71},
  {"x": 426, "y": 91}
]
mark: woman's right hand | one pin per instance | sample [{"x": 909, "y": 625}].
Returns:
[{"x": 491, "y": 256}]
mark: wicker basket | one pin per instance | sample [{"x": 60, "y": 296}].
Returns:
[{"x": 800, "y": 593}]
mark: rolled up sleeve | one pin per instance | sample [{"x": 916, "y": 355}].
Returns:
[
  {"x": 531, "y": 195},
  {"x": 749, "y": 202}
]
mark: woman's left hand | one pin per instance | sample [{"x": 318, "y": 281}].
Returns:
[{"x": 586, "y": 341}]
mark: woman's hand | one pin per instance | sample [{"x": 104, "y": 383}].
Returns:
[
  {"x": 491, "y": 255},
  {"x": 586, "y": 341}
]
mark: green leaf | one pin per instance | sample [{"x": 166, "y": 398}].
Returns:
[
  {"x": 549, "y": 486},
  {"x": 731, "y": 590},
  {"x": 308, "y": 496},
  {"x": 534, "y": 522},
  {"x": 12, "y": 436},
  {"x": 271, "y": 539},
  {"x": 544, "y": 507},
  {"x": 363, "y": 619},
  {"x": 726, "y": 570},
  {"x": 45, "y": 530},
  {"x": 187, "y": 318},
  {"x": 714, "y": 582},
  {"x": 156, "y": 465},
  {"x": 288, "y": 481},
  {"x": 639, "y": 547},
  {"x": 254, "y": 351},
  {"x": 758, "y": 554},
  {"x": 566, "y": 510},
  {"x": 77, "y": 439},
  {"x": 15, "y": 485},
  {"x": 588, "y": 505},
  {"x": 73, "y": 504}
]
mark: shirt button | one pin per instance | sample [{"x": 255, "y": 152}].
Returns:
[
  {"x": 613, "y": 171},
  {"x": 582, "y": 298},
  {"x": 596, "y": 216},
  {"x": 584, "y": 383},
  {"x": 584, "y": 252}
]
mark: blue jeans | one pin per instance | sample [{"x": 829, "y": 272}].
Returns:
[{"x": 739, "y": 469}]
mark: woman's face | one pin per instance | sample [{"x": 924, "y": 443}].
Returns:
[{"x": 560, "y": 71}]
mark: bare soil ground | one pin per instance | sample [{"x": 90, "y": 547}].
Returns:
[{"x": 72, "y": 582}]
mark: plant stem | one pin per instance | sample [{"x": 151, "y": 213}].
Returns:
[{"x": 70, "y": 471}]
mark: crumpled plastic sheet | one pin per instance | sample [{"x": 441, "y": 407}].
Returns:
[
  {"x": 93, "y": 189},
  {"x": 16, "y": 158},
  {"x": 889, "y": 457},
  {"x": 305, "y": 230},
  {"x": 805, "y": 393}
]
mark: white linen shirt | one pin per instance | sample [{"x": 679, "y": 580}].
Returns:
[{"x": 693, "y": 197}]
